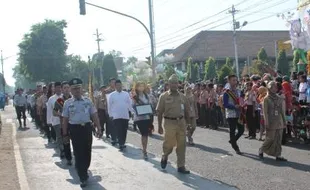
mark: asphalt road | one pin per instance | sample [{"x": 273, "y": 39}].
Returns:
[{"x": 212, "y": 157}]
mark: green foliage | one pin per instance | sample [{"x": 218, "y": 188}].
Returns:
[
  {"x": 284, "y": 66},
  {"x": 229, "y": 62},
  {"x": 115, "y": 53},
  {"x": 169, "y": 70},
  {"x": 210, "y": 69},
  {"x": 225, "y": 71},
  {"x": 42, "y": 51},
  {"x": 195, "y": 73},
  {"x": 108, "y": 69},
  {"x": 189, "y": 69},
  {"x": 21, "y": 80},
  {"x": 131, "y": 60},
  {"x": 78, "y": 68},
  {"x": 296, "y": 59},
  {"x": 262, "y": 55}
]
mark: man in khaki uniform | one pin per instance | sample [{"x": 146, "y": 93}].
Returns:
[
  {"x": 101, "y": 105},
  {"x": 174, "y": 107}
]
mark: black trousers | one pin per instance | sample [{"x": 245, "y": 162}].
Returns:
[
  {"x": 67, "y": 148},
  {"x": 121, "y": 126},
  {"x": 21, "y": 112},
  {"x": 250, "y": 120},
  {"x": 204, "y": 115},
  {"x": 233, "y": 125},
  {"x": 82, "y": 140},
  {"x": 102, "y": 114}
]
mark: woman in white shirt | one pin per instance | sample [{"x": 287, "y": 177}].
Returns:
[
  {"x": 144, "y": 122},
  {"x": 302, "y": 90}
]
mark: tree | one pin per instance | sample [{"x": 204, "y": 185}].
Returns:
[
  {"x": 189, "y": 69},
  {"x": 229, "y": 62},
  {"x": 225, "y": 71},
  {"x": 210, "y": 69},
  {"x": 21, "y": 80},
  {"x": 296, "y": 59},
  {"x": 131, "y": 59},
  {"x": 262, "y": 55},
  {"x": 195, "y": 72},
  {"x": 169, "y": 70},
  {"x": 284, "y": 66},
  {"x": 78, "y": 68},
  {"x": 108, "y": 68},
  {"x": 42, "y": 51},
  {"x": 115, "y": 53}
]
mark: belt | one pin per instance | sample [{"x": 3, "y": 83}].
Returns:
[
  {"x": 81, "y": 124},
  {"x": 174, "y": 118}
]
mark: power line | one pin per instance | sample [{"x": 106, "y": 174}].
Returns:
[
  {"x": 251, "y": 22},
  {"x": 204, "y": 19},
  {"x": 198, "y": 28}
]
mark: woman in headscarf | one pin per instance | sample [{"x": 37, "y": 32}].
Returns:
[
  {"x": 274, "y": 115},
  {"x": 261, "y": 94}
]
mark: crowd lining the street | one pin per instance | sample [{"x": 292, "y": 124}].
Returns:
[{"x": 272, "y": 108}]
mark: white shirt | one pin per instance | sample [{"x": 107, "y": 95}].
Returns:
[
  {"x": 119, "y": 105},
  {"x": 50, "y": 118},
  {"x": 302, "y": 91}
]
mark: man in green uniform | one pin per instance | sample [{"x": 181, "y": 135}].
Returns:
[{"x": 174, "y": 107}]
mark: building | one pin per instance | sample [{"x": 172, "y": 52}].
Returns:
[{"x": 219, "y": 45}]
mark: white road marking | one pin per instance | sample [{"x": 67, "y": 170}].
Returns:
[
  {"x": 224, "y": 156},
  {"x": 23, "y": 183},
  {"x": 9, "y": 120}
]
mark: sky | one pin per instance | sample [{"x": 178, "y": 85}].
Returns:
[{"x": 126, "y": 35}]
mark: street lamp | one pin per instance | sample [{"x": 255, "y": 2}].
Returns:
[{"x": 149, "y": 31}]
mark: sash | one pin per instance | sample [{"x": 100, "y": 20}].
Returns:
[{"x": 232, "y": 95}]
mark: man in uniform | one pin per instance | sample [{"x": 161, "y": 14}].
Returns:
[
  {"x": 174, "y": 107},
  {"x": 101, "y": 105},
  {"x": 20, "y": 103},
  {"x": 78, "y": 112}
]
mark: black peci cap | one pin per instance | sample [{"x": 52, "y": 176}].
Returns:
[{"x": 75, "y": 82}]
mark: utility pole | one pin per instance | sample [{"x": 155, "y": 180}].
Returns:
[
  {"x": 98, "y": 39},
  {"x": 152, "y": 36},
  {"x": 236, "y": 25},
  {"x": 3, "y": 82}
]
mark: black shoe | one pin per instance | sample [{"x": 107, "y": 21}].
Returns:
[
  {"x": 62, "y": 155},
  {"x": 261, "y": 155},
  {"x": 183, "y": 170},
  {"x": 69, "y": 163},
  {"x": 239, "y": 152},
  {"x": 247, "y": 137},
  {"x": 163, "y": 163},
  {"x": 252, "y": 138},
  {"x": 113, "y": 143},
  {"x": 281, "y": 159},
  {"x": 83, "y": 184}
]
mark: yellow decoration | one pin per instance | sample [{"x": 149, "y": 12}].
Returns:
[{"x": 308, "y": 65}]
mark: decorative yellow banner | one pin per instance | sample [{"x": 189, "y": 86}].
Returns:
[
  {"x": 90, "y": 87},
  {"x": 282, "y": 45},
  {"x": 302, "y": 3}
]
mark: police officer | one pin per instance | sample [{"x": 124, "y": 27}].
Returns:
[
  {"x": 20, "y": 103},
  {"x": 174, "y": 107},
  {"x": 78, "y": 112}
]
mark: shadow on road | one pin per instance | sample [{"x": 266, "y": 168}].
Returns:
[
  {"x": 211, "y": 149},
  {"x": 192, "y": 181},
  {"x": 93, "y": 181},
  {"x": 273, "y": 162}
]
